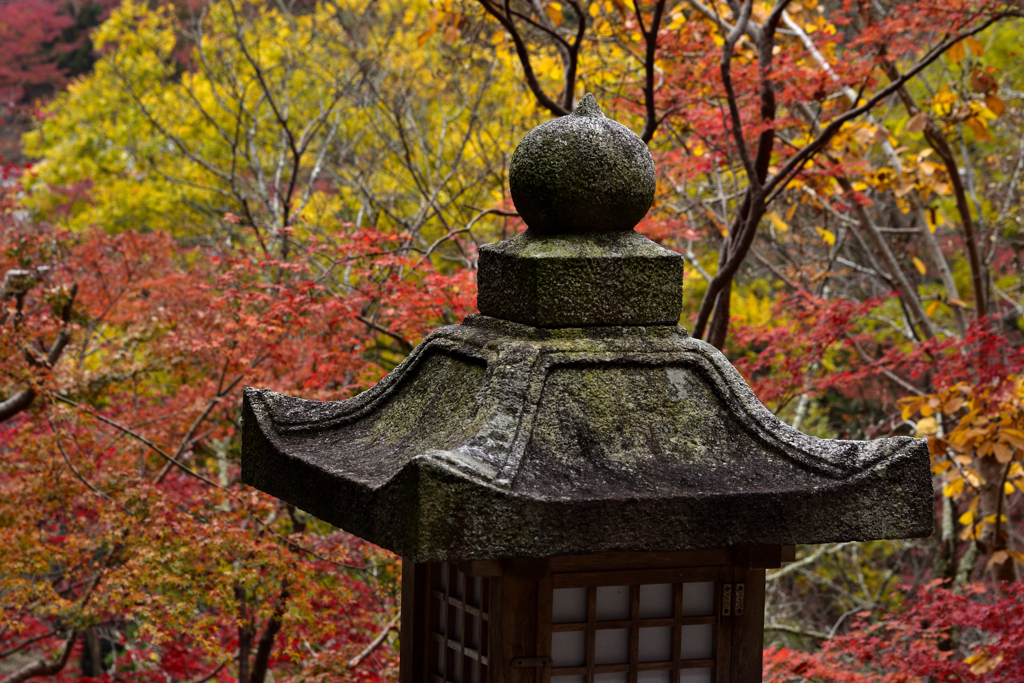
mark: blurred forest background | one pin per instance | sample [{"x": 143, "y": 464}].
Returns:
[{"x": 206, "y": 194}]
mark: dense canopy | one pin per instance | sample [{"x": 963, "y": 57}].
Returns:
[{"x": 202, "y": 195}]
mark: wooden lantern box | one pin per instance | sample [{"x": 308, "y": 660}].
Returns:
[{"x": 604, "y": 618}]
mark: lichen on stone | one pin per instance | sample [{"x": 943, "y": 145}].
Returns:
[
  {"x": 581, "y": 174},
  {"x": 517, "y": 441},
  {"x": 619, "y": 278}
]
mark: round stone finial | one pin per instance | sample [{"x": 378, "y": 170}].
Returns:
[{"x": 581, "y": 174}]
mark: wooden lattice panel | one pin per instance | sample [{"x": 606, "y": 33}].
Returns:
[
  {"x": 632, "y": 627},
  {"x": 459, "y": 617}
]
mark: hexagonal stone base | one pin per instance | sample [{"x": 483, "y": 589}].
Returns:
[{"x": 619, "y": 278}]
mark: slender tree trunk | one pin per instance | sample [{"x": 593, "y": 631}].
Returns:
[
  {"x": 244, "y": 635},
  {"x": 906, "y": 289},
  {"x": 260, "y": 665},
  {"x": 713, "y": 316},
  {"x": 966, "y": 565},
  {"x": 937, "y": 141},
  {"x": 934, "y": 249},
  {"x": 995, "y": 537},
  {"x": 718, "y": 329},
  {"x": 938, "y": 260},
  {"x": 978, "y": 275},
  {"x": 947, "y": 565},
  {"x": 92, "y": 643}
]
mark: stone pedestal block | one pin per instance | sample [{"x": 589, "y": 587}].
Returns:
[{"x": 619, "y": 278}]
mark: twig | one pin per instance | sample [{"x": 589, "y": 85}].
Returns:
[
  {"x": 238, "y": 499},
  {"x": 376, "y": 642},
  {"x": 797, "y": 631},
  {"x": 17, "y": 648},
  {"x": 23, "y": 399},
  {"x": 187, "y": 439},
  {"x": 692, "y": 259},
  {"x": 140, "y": 438},
  {"x": 402, "y": 341},
  {"x": 210, "y": 675},
  {"x": 468, "y": 228},
  {"x": 74, "y": 469},
  {"x": 864, "y": 356},
  {"x": 775, "y": 271},
  {"x": 797, "y": 162},
  {"x": 505, "y": 19},
  {"x": 650, "y": 35},
  {"x": 810, "y": 559},
  {"x": 725, "y": 66}
]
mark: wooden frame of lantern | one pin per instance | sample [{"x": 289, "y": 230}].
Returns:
[{"x": 683, "y": 617}]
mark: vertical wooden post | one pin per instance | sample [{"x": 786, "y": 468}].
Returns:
[
  {"x": 513, "y": 629},
  {"x": 748, "y": 627},
  {"x": 545, "y": 608},
  {"x": 415, "y": 633}
]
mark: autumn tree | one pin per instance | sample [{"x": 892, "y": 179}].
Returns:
[
  {"x": 129, "y": 544},
  {"x": 293, "y": 194},
  {"x": 45, "y": 43},
  {"x": 177, "y": 265}
]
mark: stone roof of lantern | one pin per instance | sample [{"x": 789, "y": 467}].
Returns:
[{"x": 574, "y": 415}]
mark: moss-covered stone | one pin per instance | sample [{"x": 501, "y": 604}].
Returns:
[
  {"x": 576, "y": 416},
  {"x": 619, "y": 278},
  {"x": 495, "y": 439},
  {"x": 581, "y": 174}
]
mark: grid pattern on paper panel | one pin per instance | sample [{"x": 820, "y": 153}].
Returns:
[
  {"x": 459, "y": 618},
  {"x": 647, "y": 633}
]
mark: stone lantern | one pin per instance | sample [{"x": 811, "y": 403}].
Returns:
[{"x": 579, "y": 491}]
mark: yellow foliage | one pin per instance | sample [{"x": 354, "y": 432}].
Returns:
[
  {"x": 954, "y": 488},
  {"x": 978, "y": 125},
  {"x": 957, "y": 52},
  {"x": 779, "y": 224},
  {"x": 982, "y": 663},
  {"x": 968, "y": 428},
  {"x": 942, "y": 103},
  {"x": 927, "y": 426},
  {"x": 977, "y": 47},
  {"x": 176, "y": 152},
  {"x": 554, "y": 11},
  {"x": 752, "y": 309}
]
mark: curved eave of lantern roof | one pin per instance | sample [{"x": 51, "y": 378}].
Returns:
[{"x": 497, "y": 439}]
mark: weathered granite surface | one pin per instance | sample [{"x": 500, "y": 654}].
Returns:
[
  {"x": 618, "y": 278},
  {"x": 581, "y": 182},
  {"x": 580, "y": 174},
  {"x": 577, "y": 416},
  {"x": 495, "y": 439}
]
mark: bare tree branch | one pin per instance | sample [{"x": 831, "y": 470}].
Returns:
[
  {"x": 650, "y": 35},
  {"x": 138, "y": 437},
  {"x": 797, "y": 631},
  {"x": 23, "y": 399},
  {"x": 504, "y": 16},
  {"x": 44, "y": 667},
  {"x": 376, "y": 642}
]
